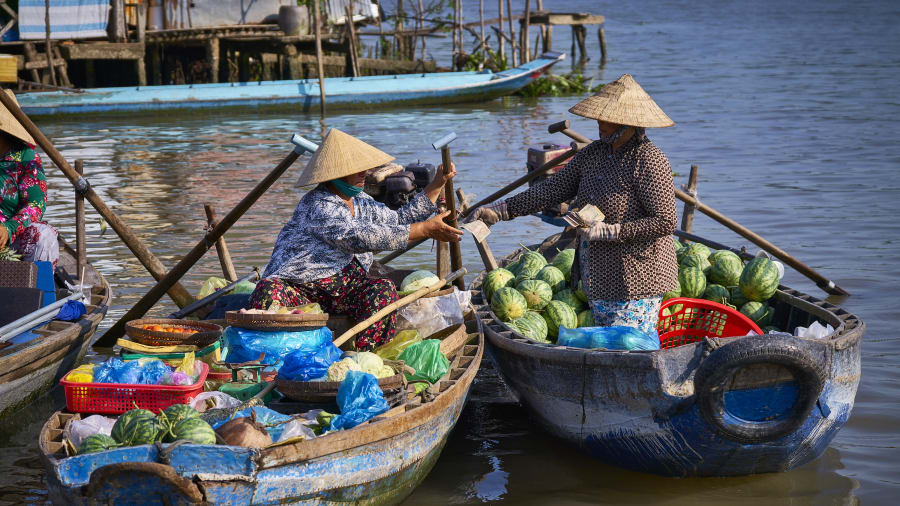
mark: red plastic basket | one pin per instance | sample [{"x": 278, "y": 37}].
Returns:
[
  {"x": 700, "y": 318},
  {"x": 117, "y": 398}
]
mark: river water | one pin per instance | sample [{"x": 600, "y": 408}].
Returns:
[{"x": 789, "y": 109}]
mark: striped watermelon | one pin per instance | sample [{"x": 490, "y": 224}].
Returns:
[
  {"x": 672, "y": 295},
  {"x": 692, "y": 282},
  {"x": 195, "y": 430},
  {"x": 759, "y": 280},
  {"x": 532, "y": 326},
  {"x": 695, "y": 248},
  {"x": 96, "y": 443},
  {"x": 736, "y": 298},
  {"x": 571, "y": 299},
  {"x": 553, "y": 277},
  {"x": 580, "y": 293},
  {"x": 726, "y": 269},
  {"x": 174, "y": 414},
  {"x": 120, "y": 431},
  {"x": 760, "y": 313},
  {"x": 716, "y": 293},
  {"x": 495, "y": 280},
  {"x": 514, "y": 267},
  {"x": 559, "y": 314},
  {"x": 532, "y": 260},
  {"x": 563, "y": 261},
  {"x": 524, "y": 274},
  {"x": 678, "y": 244},
  {"x": 537, "y": 293},
  {"x": 139, "y": 430},
  {"x": 586, "y": 318},
  {"x": 719, "y": 253},
  {"x": 508, "y": 304},
  {"x": 695, "y": 260}
]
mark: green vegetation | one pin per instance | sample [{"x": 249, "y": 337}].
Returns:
[{"x": 573, "y": 83}]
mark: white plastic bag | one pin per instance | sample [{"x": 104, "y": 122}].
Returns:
[
  {"x": 298, "y": 427},
  {"x": 816, "y": 331},
  {"x": 79, "y": 430},
  {"x": 433, "y": 314},
  {"x": 778, "y": 265},
  {"x": 213, "y": 400}
]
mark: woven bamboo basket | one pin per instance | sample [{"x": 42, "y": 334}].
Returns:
[
  {"x": 326, "y": 391},
  {"x": 207, "y": 333},
  {"x": 275, "y": 322}
]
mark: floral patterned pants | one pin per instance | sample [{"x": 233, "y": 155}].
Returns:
[
  {"x": 642, "y": 314},
  {"x": 349, "y": 292}
]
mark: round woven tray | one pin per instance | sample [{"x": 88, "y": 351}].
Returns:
[
  {"x": 326, "y": 391},
  {"x": 275, "y": 321},
  {"x": 208, "y": 332}
]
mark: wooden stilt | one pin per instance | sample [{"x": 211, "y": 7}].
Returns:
[
  {"x": 602, "y": 36},
  {"x": 512, "y": 35},
  {"x": 687, "y": 216},
  {"x": 501, "y": 51},
  {"x": 221, "y": 247},
  {"x": 317, "y": 20},
  {"x": 212, "y": 56},
  {"x": 526, "y": 23},
  {"x": 50, "y": 69}
]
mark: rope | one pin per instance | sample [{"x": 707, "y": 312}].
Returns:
[
  {"x": 692, "y": 193},
  {"x": 163, "y": 456},
  {"x": 710, "y": 345}
]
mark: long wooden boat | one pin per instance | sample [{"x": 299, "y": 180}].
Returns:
[
  {"x": 301, "y": 95},
  {"x": 378, "y": 462},
  {"x": 30, "y": 368},
  {"x": 661, "y": 412}
]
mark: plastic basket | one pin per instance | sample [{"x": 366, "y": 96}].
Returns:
[
  {"x": 117, "y": 398},
  {"x": 700, "y": 318}
]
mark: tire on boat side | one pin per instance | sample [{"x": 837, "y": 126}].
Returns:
[{"x": 800, "y": 357}]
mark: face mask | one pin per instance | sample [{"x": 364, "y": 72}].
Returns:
[
  {"x": 610, "y": 139},
  {"x": 346, "y": 188}
]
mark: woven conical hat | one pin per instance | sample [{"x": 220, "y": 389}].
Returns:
[
  {"x": 10, "y": 125},
  {"x": 623, "y": 102},
  {"x": 341, "y": 155}
]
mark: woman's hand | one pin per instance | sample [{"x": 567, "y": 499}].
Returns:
[
  {"x": 602, "y": 232},
  {"x": 490, "y": 214},
  {"x": 435, "y": 228},
  {"x": 433, "y": 190}
]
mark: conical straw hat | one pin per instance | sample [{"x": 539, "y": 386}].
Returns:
[
  {"x": 623, "y": 102},
  {"x": 340, "y": 155},
  {"x": 10, "y": 125}
]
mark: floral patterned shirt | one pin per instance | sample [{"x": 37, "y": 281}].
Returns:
[
  {"x": 23, "y": 190},
  {"x": 322, "y": 236}
]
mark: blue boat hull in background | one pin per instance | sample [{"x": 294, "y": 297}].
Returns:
[{"x": 301, "y": 95}]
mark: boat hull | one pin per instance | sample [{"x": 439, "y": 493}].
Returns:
[{"x": 639, "y": 410}]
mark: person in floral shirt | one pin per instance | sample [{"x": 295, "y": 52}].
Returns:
[
  {"x": 23, "y": 195},
  {"x": 324, "y": 252}
]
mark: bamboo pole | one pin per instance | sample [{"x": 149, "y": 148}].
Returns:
[
  {"x": 147, "y": 259},
  {"x": 502, "y": 49},
  {"x": 421, "y": 27},
  {"x": 455, "y": 50},
  {"x": 221, "y": 247},
  {"x": 386, "y": 310},
  {"x": 351, "y": 36},
  {"x": 687, "y": 216},
  {"x": 481, "y": 19},
  {"x": 190, "y": 258},
  {"x": 526, "y": 23},
  {"x": 319, "y": 66},
  {"x": 80, "y": 241},
  {"x": 47, "y": 47},
  {"x": 513, "y": 49}
]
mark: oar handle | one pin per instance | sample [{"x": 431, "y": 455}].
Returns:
[{"x": 386, "y": 310}]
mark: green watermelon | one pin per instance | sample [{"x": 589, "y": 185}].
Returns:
[
  {"x": 139, "y": 430},
  {"x": 553, "y": 277},
  {"x": 537, "y": 293},
  {"x": 695, "y": 260},
  {"x": 495, "y": 280},
  {"x": 678, "y": 244},
  {"x": 719, "y": 253},
  {"x": 580, "y": 293},
  {"x": 119, "y": 431},
  {"x": 174, "y": 414},
  {"x": 563, "y": 261},
  {"x": 716, "y": 293},
  {"x": 195, "y": 430},
  {"x": 532, "y": 326},
  {"x": 514, "y": 267},
  {"x": 736, "y": 298},
  {"x": 559, "y": 314},
  {"x": 524, "y": 275},
  {"x": 571, "y": 299},
  {"x": 695, "y": 248},
  {"x": 759, "y": 280},
  {"x": 96, "y": 443},
  {"x": 586, "y": 318},
  {"x": 508, "y": 304},
  {"x": 672, "y": 295},
  {"x": 532, "y": 260},
  {"x": 760, "y": 313},
  {"x": 726, "y": 269},
  {"x": 692, "y": 282}
]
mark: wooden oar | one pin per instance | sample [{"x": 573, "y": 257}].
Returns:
[
  {"x": 386, "y": 310},
  {"x": 455, "y": 250},
  {"x": 496, "y": 195}
]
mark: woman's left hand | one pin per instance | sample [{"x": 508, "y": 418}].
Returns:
[
  {"x": 602, "y": 232},
  {"x": 433, "y": 190}
]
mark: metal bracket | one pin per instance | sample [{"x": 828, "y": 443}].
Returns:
[
  {"x": 82, "y": 186},
  {"x": 303, "y": 145}
]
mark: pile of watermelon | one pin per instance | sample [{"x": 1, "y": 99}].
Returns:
[
  {"x": 721, "y": 276},
  {"x": 141, "y": 427},
  {"x": 535, "y": 297}
]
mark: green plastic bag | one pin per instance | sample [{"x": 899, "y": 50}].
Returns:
[
  {"x": 211, "y": 285},
  {"x": 428, "y": 361},
  {"x": 403, "y": 340}
]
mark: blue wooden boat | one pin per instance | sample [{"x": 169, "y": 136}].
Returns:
[
  {"x": 300, "y": 95},
  {"x": 378, "y": 462},
  {"x": 722, "y": 407}
]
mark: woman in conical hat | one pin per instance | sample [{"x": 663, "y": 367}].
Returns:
[
  {"x": 626, "y": 262},
  {"x": 23, "y": 194},
  {"x": 324, "y": 252}
]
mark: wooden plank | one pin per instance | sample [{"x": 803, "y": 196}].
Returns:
[
  {"x": 565, "y": 18},
  {"x": 104, "y": 51}
]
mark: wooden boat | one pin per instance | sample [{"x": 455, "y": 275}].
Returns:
[
  {"x": 378, "y": 462},
  {"x": 369, "y": 91},
  {"x": 30, "y": 368},
  {"x": 778, "y": 402}
]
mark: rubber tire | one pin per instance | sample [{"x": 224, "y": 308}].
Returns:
[{"x": 803, "y": 359}]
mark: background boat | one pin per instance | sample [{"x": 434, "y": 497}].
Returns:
[{"x": 340, "y": 92}]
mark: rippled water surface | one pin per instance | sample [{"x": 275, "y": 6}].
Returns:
[{"x": 789, "y": 108}]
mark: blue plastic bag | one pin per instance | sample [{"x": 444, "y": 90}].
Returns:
[
  {"x": 264, "y": 416},
  {"x": 134, "y": 372},
  {"x": 71, "y": 311},
  {"x": 154, "y": 371},
  {"x": 245, "y": 345},
  {"x": 611, "y": 338},
  {"x": 306, "y": 365},
  {"x": 359, "y": 399}
]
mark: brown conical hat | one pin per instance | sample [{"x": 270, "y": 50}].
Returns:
[
  {"x": 623, "y": 102},
  {"x": 340, "y": 155},
  {"x": 10, "y": 125}
]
